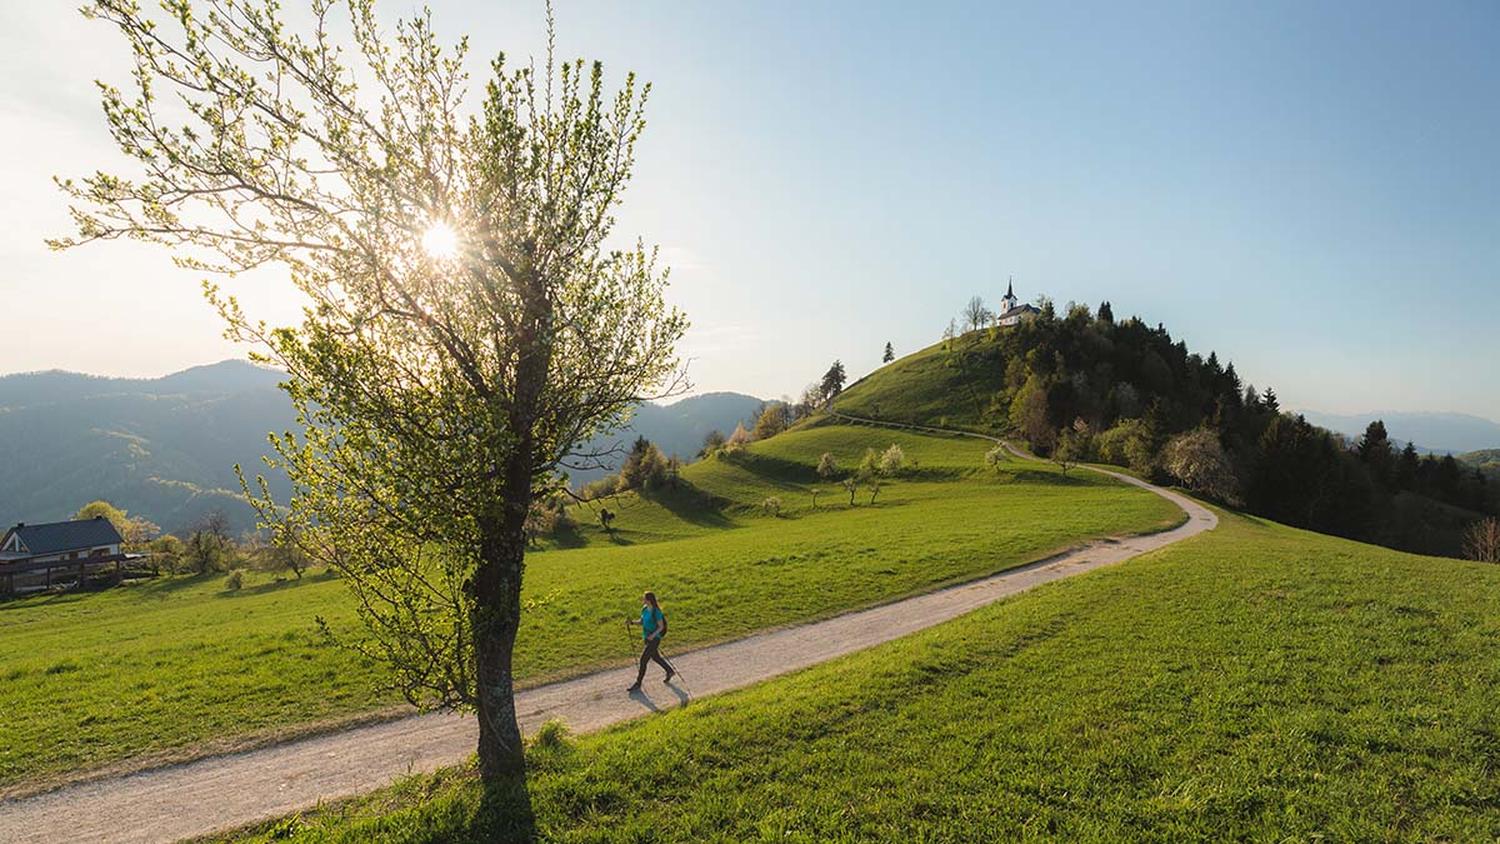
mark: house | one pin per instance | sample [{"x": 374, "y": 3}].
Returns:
[
  {"x": 40, "y": 556},
  {"x": 73, "y": 540},
  {"x": 1011, "y": 309}
]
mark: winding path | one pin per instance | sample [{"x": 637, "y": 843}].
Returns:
[{"x": 197, "y": 798}]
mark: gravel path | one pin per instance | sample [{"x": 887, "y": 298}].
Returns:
[{"x": 220, "y": 792}]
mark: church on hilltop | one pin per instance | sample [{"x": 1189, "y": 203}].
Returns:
[{"x": 1011, "y": 309}]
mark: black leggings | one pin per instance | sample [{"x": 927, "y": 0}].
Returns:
[{"x": 652, "y": 653}]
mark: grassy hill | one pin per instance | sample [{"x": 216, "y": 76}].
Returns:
[
  {"x": 1254, "y": 683},
  {"x": 92, "y": 679},
  {"x": 947, "y": 385},
  {"x": 1124, "y": 393}
]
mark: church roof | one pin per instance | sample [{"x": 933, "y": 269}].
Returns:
[
  {"x": 1020, "y": 310},
  {"x": 1010, "y": 292}
]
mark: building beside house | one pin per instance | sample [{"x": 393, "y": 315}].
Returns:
[
  {"x": 35, "y": 557},
  {"x": 1012, "y": 312}
]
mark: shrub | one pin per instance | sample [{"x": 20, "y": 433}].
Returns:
[
  {"x": 548, "y": 515},
  {"x": 771, "y": 506},
  {"x": 605, "y": 486},
  {"x": 234, "y": 581},
  {"x": 870, "y": 463},
  {"x": 1130, "y": 444},
  {"x": 828, "y": 468},
  {"x": 892, "y": 461},
  {"x": 712, "y": 444}
]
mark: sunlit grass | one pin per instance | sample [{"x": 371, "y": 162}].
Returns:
[
  {"x": 91, "y": 679},
  {"x": 1253, "y": 683}
]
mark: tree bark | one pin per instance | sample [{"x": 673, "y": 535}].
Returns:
[{"x": 497, "y": 616}]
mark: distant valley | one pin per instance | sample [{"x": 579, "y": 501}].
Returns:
[{"x": 165, "y": 448}]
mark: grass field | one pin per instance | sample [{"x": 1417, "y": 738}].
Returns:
[
  {"x": 947, "y": 385},
  {"x": 1253, "y": 683},
  {"x": 94, "y": 679}
]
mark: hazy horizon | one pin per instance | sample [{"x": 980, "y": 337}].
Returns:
[{"x": 1309, "y": 192}]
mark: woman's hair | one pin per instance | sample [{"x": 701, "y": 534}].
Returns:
[{"x": 651, "y": 599}]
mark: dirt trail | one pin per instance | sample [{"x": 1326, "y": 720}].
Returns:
[{"x": 221, "y": 792}]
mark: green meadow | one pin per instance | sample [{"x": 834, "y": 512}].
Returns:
[
  {"x": 1253, "y": 683},
  {"x": 183, "y": 665}
]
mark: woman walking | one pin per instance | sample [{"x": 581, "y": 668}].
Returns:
[{"x": 653, "y": 627}]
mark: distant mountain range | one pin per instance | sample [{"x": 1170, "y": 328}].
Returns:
[
  {"x": 165, "y": 448},
  {"x": 1443, "y": 433}
]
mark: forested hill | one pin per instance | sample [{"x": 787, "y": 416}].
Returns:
[
  {"x": 1124, "y": 392},
  {"x": 164, "y": 449}
]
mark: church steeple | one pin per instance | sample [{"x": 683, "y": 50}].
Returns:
[{"x": 1010, "y": 300}]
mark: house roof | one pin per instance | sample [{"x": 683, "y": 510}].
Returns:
[{"x": 53, "y": 537}]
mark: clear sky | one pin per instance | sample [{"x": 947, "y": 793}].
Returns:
[{"x": 1311, "y": 189}]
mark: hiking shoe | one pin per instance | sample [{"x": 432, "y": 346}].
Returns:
[
  {"x": 633, "y": 687},
  {"x": 670, "y": 675}
]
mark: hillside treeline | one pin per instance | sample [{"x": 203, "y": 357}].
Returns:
[{"x": 1123, "y": 392}]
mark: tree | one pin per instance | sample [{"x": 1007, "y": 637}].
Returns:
[
  {"x": 873, "y": 484},
  {"x": 1106, "y": 313},
  {"x": 1269, "y": 402},
  {"x": 892, "y": 461},
  {"x": 975, "y": 314},
  {"x": 282, "y": 552},
  {"x": 208, "y": 547},
  {"x": 833, "y": 382},
  {"x": 828, "y": 468},
  {"x": 851, "y": 486},
  {"x": 772, "y": 421},
  {"x": 645, "y": 467},
  {"x": 890, "y": 353},
  {"x": 465, "y": 327},
  {"x": 713, "y": 442},
  {"x": 136, "y": 532},
  {"x": 1197, "y": 459},
  {"x": 1374, "y": 450},
  {"x": 1482, "y": 541},
  {"x": 1073, "y": 445}
]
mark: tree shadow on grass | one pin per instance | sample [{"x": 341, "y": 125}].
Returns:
[
  {"x": 504, "y": 814},
  {"x": 690, "y": 504}
]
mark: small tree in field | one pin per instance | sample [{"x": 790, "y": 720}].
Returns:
[
  {"x": 1073, "y": 446},
  {"x": 873, "y": 484},
  {"x": 828, "y": 468},
  {"x": 890, "y": 354},
  {"x": 465, "y": 327},
  {"x": 892, "y": 461},
  {"x": 995, "y": 457},
  {"x": 1482, "y": 541},
  {"x": 851, "y": 486},
  {"x": 976, "y": 315}
]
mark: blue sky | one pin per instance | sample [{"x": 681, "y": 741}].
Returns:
[{"x": 1312, "y": 190}]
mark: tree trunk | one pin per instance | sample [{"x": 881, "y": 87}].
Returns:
[{"x": 497, "y": 616}]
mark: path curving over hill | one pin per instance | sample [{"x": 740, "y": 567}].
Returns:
[{"x": 197, "y": 798}]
